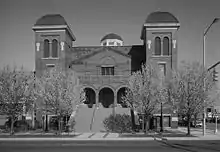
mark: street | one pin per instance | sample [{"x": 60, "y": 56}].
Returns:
[{"x": 110, "y": 146}]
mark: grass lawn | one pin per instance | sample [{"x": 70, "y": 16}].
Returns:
[
  {"x": 38, "y": 136},
  {"x": 158, "y": 135},
  {"x": 211, "y": 126},
  {"x": 152, "y": 134}
]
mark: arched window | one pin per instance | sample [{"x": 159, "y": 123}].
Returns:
[
  {"x": 157, "y": 46},
  {"x": 54, "y": 48},
  {"x": 166, "y": 46},
  {"x": 46, "y": 49}
]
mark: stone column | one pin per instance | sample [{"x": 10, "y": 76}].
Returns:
[
  {"x": 115, "y": 103},
  {"x": 115, "y": 99},
  {"x": 96, "y": 98}
]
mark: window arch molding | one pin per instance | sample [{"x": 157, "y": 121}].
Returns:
[
  {"x": 162, "y": 46},
  {"x": 50, "y": 48},
  {"x": 157, "y": 46},
  {"x": 166, "y": 46},
  {"x": 107, "y": 65},
  {"x": 46, "y": 53},
  {"x": 54, "y": 52}
]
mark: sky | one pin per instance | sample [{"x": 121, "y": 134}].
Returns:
[{"x": 90, "y": 20}]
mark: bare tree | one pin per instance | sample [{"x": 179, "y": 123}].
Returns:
[
  {"x": 142, "y": 93},
  {"x": 190, "y": 90},
  {"x": 13, "y": 98},
  {"x": 60, "y": 92}
]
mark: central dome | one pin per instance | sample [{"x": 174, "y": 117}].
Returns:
[
  {"x": 161, "y": 17},
  {"x": 112, "y": 39},
  {"x": 111, "y": 36}
]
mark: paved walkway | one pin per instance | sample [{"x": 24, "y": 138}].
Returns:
[{"x": 196, "y": 132}]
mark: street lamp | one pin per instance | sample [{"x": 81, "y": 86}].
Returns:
[
  {"x": 216, "y": 121},
  {"x": 161, "y": 117},
  {"x": 204, "y": 40}
]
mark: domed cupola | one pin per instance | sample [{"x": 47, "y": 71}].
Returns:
[
  {"x": 112, "y": 39},
  {"x": 159, "y": 20},
  {"x": 161, "y": 17}
]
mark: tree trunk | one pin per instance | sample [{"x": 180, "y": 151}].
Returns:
[
  {"x": 59, "y": 126},
  {"x": 33, "y": 118},
  {"x": 143, "y": 121},
  {"x": 12, "y": 126},
  {"x": 132, "y": 119},
  {"x": 195, "y": 117},
  {"x": 188, "y": 124},
  {"x": 147, "y": 124}
]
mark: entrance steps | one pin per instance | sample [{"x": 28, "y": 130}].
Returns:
[{"x": 85, "y": 114}]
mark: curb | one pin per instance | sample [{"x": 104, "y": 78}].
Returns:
[
  {"x": 75, "y": 139},
  {"x": 107, "y": 139}
]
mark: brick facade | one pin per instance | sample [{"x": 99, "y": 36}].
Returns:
[{"x": 91, "y": 62}]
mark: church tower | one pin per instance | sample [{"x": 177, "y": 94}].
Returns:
[
  {"x": 53, "y": 42},
  {"x": 159, "y": 35}
]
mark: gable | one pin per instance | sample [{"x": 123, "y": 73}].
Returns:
[{"x": 103, "y": 52}]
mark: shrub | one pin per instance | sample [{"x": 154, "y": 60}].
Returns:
[
  {"x": 121, "y": 123},
  {"x": 21, "y": 125}
]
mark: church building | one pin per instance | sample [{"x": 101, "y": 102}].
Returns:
[{"x": 104, "y": 70}]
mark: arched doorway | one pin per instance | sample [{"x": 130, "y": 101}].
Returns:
[
  {"x": 106, "y": 97},
  {"x": 120, "y": 94},
  {"x": 90, "y": 97}
]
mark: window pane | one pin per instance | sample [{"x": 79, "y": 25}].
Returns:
[
  {"x": 46, "y": 49},
  {"x": 103, "y": 70},
  {"x": 112, "y": 71},
  {"x": 50, "y": 67},
  {"x": 54, "y": 48},
  {"x": 165, "y": 46},
  {"x": 107, "y": 71},
  {"x": 157, "y": 46},
  {"x": 162, "y": 68}
]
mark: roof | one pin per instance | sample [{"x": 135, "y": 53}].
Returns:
[
  {"x": 137, "y": 53},
  {"x": 111, "y": 36},
  {"x": 86, "y": 52},
  {"x": 161, "y": 17},
  {"x": 51, "y": 19}
]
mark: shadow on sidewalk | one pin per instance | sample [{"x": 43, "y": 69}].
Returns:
[{"x": 192, "y": 147}]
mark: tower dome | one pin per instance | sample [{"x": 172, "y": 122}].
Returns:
[
  {"x": 51, "y": 19},
  {"x": 112, "y": 39},
  {"x": 161, "y": 17}
]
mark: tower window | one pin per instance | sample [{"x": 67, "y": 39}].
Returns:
[
  {"x": 54, "y": 48},
  {"x": 107, "y": 70},
  {"x": 157, "y": 46},
  {"x": 162, "y": 69},
  {"x": 166, "y": 46},
  {"x": 46, "y": 49},
  {"x": 49, "y": 67}
]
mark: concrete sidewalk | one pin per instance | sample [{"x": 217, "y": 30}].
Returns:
[
  {"x": 100, "y": 136},
  {"x": 199, "y": 131}
]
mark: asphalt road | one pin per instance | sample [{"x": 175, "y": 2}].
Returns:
[{"x": 110, "y": 146}]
